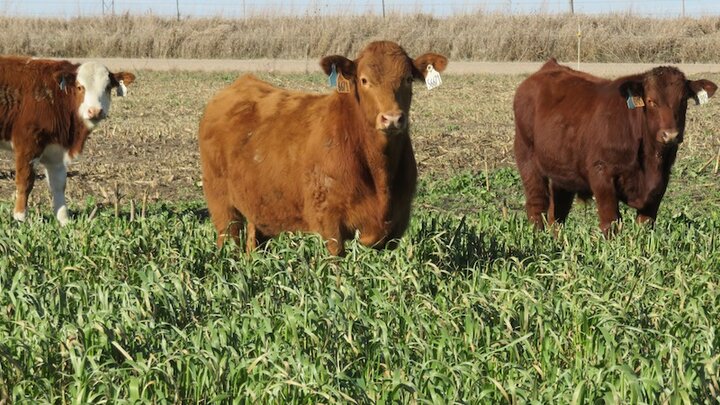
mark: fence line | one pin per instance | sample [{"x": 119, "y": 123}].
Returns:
[{"x": 252, "y": 8}]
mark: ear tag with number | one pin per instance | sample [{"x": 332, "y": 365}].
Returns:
[
  {"x": 332, "y": 79},
  {"x": 121, "y": 89},
  {"x": 432, "y": 78},
  {"x": 701, "y": 97},
  {"x": 343, "y": 84},
  {"x": 634, "y": 101}
]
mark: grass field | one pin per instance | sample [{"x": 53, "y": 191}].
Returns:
[{"x": 473, "y": 306}]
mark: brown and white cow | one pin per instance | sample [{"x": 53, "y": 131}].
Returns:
[
  {"x": 335, "y": 164},
  {"x": 615, "y": 139},
  {"x": 47, "y": 110}
]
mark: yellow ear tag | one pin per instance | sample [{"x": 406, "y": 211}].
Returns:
[
  {"x": 701, "y": 97},
  {"x": 634, "y": 101},
  {"x": 343, "y": 84}
]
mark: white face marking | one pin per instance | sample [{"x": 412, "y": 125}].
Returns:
[{"x": 95, "y": 79}]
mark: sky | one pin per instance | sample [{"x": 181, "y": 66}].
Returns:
[{"x": 249, "y": 8}]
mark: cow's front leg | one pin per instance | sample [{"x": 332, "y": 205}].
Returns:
[
  {"x": 329, "y": 229},
  {"x": 57, "y": 177},
  {"x": 334, "y": 240},
  {"x": 607, "y": 203},
  {"x": 24, "y": 181},
  {"x": 374, "y": 238},
  {"x": 647, "y": 214}
]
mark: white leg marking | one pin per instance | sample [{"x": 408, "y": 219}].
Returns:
[
  {"x": 19, "y": 216},
  {"x": 56, "y": 177}
]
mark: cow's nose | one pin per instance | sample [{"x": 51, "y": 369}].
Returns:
[
  {"x": 669, "y": 136},
  {"x": 394, "y": 120},
  {"x": 95, "y": 112}
]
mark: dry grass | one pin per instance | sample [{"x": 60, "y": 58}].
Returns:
[
  {"x": 480, "y": 36},
  {"x": 149, "y": 144}
]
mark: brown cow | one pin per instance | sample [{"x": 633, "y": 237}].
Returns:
[
  {"x": 327, "y": 163},
  {"x": 47, "y": 110},
  {"x": 617, "y": 140}
]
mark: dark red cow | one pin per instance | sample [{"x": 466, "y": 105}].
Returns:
[{"x": 577, "y": 134}]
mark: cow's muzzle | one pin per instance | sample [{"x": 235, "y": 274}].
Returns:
[
  {"x": 95, "y": 113},
  {"x": 669, "y": 136},
  {"x": 392, "y": 121}
]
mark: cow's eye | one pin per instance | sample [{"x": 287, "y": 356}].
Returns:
[
  {"x": 651, "y": 103},
  {"x": 80, "y": 87},
  {"x": 364, "y": 81}
]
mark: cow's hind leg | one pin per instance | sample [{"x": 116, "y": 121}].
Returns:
[
  {"x": 227, "y": 220},
  {"x": 24, "y": 182},
  {"x": 537, "y": 196}
]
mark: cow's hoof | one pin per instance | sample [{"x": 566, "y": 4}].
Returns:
[
  {"x": 62, "y": 216},
  {"x": 19, "y": 216}
]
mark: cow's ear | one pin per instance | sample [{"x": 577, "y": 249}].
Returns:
[
  {"x": 421, "y": 63},
  {"x": 126, "y": 78},
  {"x": 696, "y": 86},
  {"x": 632, "y": 88},
  {"x": 342, "y": 64},
  {"x": 64, "y": 79}
]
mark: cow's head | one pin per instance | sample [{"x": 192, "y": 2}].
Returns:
[
  {"x": 665, "y": 92},
  {"x": 91, "y": 85},
  {"x": 381, "y": 80}
]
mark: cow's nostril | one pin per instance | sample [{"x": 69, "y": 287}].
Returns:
[
  {"x": 94, "y": 112},
  {"x": 392, "y": 120},
  {"x": 669, "y": 135}
]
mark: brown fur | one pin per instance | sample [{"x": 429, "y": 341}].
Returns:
[
  {"x": 576, "y": 135},
  {"x": 291, "y": 161},
  {"x": 36, "y": 112}
]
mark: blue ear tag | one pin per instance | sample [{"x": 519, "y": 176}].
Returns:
[
  {"x": 62, "y": 84},
  {"x": 630, "y": 102},
  {"x": 332, "y": 79}
]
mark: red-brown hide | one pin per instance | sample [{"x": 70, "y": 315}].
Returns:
[
  {"x": 328, "y": 163},
  {"x": 576, "y": 135}
]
